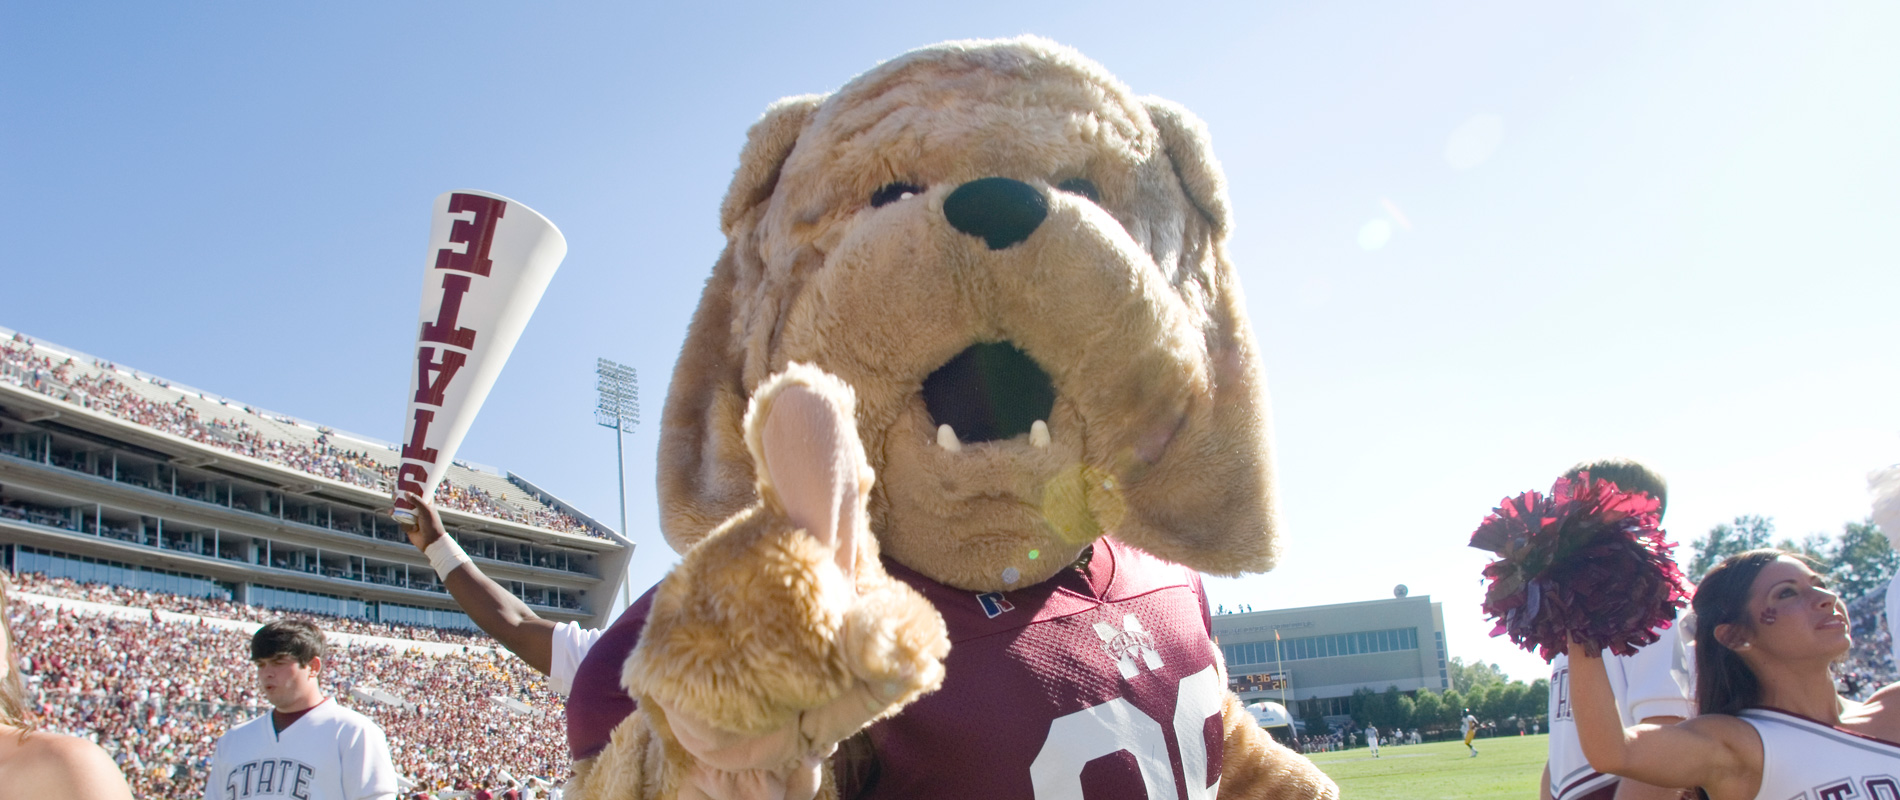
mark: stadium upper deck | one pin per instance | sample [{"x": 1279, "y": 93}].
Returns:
[{"x": 110, "y": 471}]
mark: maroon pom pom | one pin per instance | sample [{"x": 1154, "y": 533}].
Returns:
[{"x": 1586, "y": 562}]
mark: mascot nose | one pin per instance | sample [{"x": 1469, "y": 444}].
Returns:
[{"x": 1001, "y": 211}]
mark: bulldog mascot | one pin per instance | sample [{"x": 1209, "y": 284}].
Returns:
[{"x": 968, "y": 404}]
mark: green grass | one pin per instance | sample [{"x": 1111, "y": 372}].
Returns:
[{"x": 1506, "y": 767}]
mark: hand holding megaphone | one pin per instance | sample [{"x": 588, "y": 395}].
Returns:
[{"x": 490, "y": 260}]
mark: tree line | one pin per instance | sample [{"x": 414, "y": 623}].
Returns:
[
  {"x": 1480, "y": 687},
  {"x": 1857, "y": 561}
]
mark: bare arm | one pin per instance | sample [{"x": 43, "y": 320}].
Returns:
[
  {"x": 494, "y": 609},
  {"x": 1720, "y": 753},
  {"x": 1632, "y": 789},
  {"x": 65, "y": 766}
]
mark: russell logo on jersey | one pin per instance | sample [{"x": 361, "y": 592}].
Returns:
[{"x": 993, "y": 604}]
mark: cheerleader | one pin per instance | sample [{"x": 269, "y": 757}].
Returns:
[{"x": 1770, "y": 725}]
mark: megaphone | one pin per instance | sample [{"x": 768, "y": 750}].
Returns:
[{"x": 490, "y": 259}]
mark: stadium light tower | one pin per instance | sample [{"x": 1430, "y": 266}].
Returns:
[{"x": 619, "y": 409}]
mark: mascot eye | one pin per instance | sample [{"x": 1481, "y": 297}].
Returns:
[
  {"x": 893, "y": 192},
  {"x": 1083, "y": 187}
]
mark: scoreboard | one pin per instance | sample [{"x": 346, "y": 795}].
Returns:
[{"x": 1257, "y": 682}]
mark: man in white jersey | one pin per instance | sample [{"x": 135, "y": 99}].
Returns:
[
  {"x": 308, "y": 747},
  {"x": 1656, "y": 686},
  {"x": 1372, "y": 739},
  {"x": 554, "y": 650},
  {"x": 1469, "y": 726}
]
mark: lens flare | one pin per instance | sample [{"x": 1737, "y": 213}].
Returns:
[
  {"x": 1374, "y": 235},
  {"x": 1081, "y": 503}
]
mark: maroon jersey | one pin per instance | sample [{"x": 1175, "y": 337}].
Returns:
[
  {"x": 1097, "y": 684},
  {"x": 598, "y": 702}
]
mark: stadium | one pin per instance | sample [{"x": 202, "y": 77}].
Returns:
[{"x": 150, "y": 526}]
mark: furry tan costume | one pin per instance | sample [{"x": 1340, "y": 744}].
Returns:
[{"x": 975, "y": 314}]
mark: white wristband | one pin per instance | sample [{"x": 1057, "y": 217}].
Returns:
[{"x": 445, "y": 555}]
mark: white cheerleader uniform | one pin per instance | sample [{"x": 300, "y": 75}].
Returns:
[{"x": 1802, "y": 759}]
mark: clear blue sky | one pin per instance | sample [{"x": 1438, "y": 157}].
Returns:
[{"x": 1480, "y": 242}]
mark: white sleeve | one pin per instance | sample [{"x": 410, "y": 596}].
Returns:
[
  {"x": 214, "y": 786},
  {"x": 571, "y": 643},
  {"x": 368, "y": 773},
  {"x": 1656, "y": 680}
]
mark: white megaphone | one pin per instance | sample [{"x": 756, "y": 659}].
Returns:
[{"x": 490, "y": 259}]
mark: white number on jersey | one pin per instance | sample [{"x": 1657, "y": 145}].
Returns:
[{"x": 1118, "y": 726}]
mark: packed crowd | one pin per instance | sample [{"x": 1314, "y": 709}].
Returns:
[
  {"x": 476, "y": 500},
  {"x": 156, "y": 695},
  {"x": 21, "y": 365},
  {"x": 1869, "y": 663},
  {"x": 455, "y": 733},
  {"x": 110, "y": 594}
]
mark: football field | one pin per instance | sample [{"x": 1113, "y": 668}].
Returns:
[{"x": 1506, "y": 767}]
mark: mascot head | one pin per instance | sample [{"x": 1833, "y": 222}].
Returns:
[{"x": 1020, "y": 268}]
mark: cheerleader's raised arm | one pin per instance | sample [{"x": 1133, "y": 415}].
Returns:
[{"x": 1719, "y": 753}]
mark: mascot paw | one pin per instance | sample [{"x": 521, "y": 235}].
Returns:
[{"x": 780, "y": 634}]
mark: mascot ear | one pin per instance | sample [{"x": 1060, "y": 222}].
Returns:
[
  {"x": 705, "y": 470},
  {"x": 767, "y": 144},
  {"x": 1209, "y": 502},
  {"x": 1184, "y": 137}
]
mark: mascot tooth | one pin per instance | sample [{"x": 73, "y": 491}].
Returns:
[{"x": 969, "y": 403}]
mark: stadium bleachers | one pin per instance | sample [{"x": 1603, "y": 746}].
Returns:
[
  {"x": 155, "y": 403},
  {"x": 152, "y": 527},
  {"x": 157, "y": 692}
]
